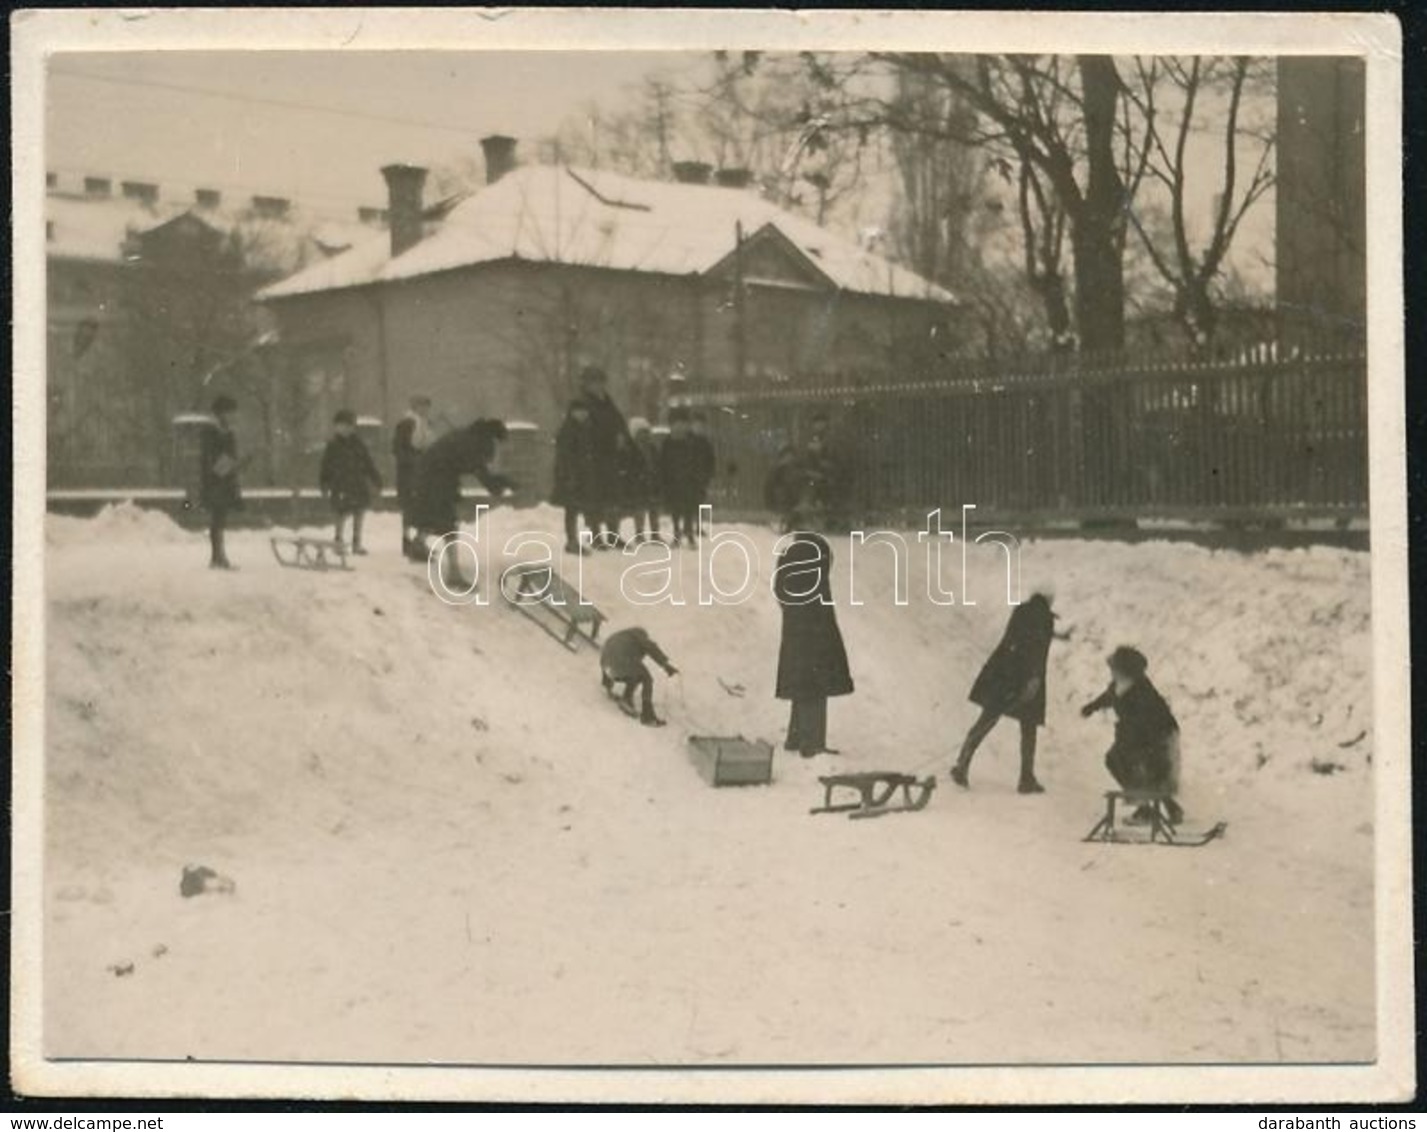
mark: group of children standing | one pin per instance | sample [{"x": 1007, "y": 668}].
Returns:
[{"x": 607, "y": 470}]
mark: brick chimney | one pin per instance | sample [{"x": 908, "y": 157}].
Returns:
[
  {"x": 403, "y": 185},
  {"x": 499, "y": 151},
  {"x": 692, "y": 172},
  {"x": 734, "y": 178}
]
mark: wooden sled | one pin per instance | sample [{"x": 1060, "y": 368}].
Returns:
[
  {"x": 539, "y": 593},
  {"x": 299, "y": 553},
  {"x": 1158, "y": 830},
  {"x": 875, "y": 790}
]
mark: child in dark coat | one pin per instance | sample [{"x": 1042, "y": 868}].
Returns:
[
  {"x": 1145, "y": 754},
  {"x": 686, "y": 466},
  {"x": 218, "y": 478},
  {"x": 1012, "y": 683},
  {"x": 348, "y": 477},
  {"x": 622, "y": 662},
  {"x": 642, "y": 483},
  {"x": 812, "y": 660},
  {"x": 576, "y": 472}
]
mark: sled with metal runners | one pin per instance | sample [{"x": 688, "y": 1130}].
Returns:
[
  {"x": 875, "y": 791},
  {"x": 1157, "y": 826},
  {"x": 299, "y": 553},
  {"x": 540, "y": 594}
]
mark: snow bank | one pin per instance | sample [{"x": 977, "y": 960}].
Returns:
[
  {"x": 123, "y": 522},
  {"x": 447, "y": 845}
]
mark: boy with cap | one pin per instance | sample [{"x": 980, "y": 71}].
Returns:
[
  {"x": 1145, "y": 754},
  {"x": 348, "y": 477}
]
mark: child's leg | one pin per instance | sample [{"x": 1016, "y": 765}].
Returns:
[
  {"x": 218, "y": 554},
  {"x": 645, "y": 683},
  {"x": 979, "y": 730},
  {"x": 572, "y": 527},
  {"x": 1028, "y": 784},
  {"x": 358, "y": 517},
  {"x": 339, "y": 527},
  {"x": 791, "y": 742}
]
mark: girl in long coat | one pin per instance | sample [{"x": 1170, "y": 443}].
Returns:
[
  {"x": 1012, "y": 683},
  {"x": 812, "y": 661}
]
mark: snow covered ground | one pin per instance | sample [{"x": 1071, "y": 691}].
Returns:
[{"x": 449, "y": 847}]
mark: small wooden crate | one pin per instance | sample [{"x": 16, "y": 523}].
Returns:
[{"x": 732, "y": 760}]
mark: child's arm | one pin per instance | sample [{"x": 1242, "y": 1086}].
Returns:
[
  {"x": 656, "y": 654},
  {"x": 1100, "y": 702}
]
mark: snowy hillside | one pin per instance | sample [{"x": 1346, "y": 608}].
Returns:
[{"x": 448, "y": 846}]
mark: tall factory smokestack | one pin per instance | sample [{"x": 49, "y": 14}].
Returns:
[
  {"x": 499, "y": 151},
  {"x": 404, "y": 184}
]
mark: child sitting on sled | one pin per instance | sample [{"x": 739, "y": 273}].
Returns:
[
  {"x": 622, "y": 662},
  {"x": 1145, "y": 754}
]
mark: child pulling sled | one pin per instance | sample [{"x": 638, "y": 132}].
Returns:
[{"x": 622, "y": 662}]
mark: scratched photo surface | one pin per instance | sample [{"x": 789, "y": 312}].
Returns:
[{"x": 707, "y": 559}]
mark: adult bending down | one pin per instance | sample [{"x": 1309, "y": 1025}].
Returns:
[{"x": 436, "y": 494}]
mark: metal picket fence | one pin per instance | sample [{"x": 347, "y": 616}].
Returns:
[{"x": 1258, "y": 437}]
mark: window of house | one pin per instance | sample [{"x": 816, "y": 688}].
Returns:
[
  {"x": 51, "y": 180},
  {"x": 208, "y": 198},
  {"x": 97, "y": 186}
]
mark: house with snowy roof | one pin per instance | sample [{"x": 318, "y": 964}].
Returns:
[
  {"x": 125, "y": 264},
  {"x": 493, "y": 302}
]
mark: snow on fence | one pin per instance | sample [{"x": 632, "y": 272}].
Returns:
[{"x": 1257, "y": 435}]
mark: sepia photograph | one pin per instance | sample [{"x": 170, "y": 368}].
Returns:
[{"x": 696, "y": 556}]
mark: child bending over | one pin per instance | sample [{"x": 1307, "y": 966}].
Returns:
[{"x": 622, "y": 662}]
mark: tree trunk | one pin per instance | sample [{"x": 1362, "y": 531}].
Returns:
[{"x": 1097, "y": 226}]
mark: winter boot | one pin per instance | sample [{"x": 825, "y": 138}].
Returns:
[
  {"x": 1142, "y": 816},
  {"x": 1030, "y": 786},
  {"x": 649, "y": 719},
  {"x": 1173, "y": 811},
  {"x": 958, "y": 775}
]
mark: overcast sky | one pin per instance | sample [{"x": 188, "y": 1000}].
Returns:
[{"x": 262, "y": 121}]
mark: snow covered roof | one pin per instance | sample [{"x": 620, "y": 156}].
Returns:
[
  {"x": 97, "y": 228},
  {"x": 556, "y": 214}
]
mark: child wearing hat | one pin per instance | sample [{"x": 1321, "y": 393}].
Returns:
[
  {"x": 1145, "y": 754},
  {"x": 348, "y": 477}
]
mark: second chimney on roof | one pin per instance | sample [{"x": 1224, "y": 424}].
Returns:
[
  {"x": 499, "y": 152},
  {"x": 692, "y": 172},
  {"x": 404, "y": 185}
]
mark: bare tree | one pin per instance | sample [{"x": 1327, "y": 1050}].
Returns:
[{"x": 1171, "y": 96}]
